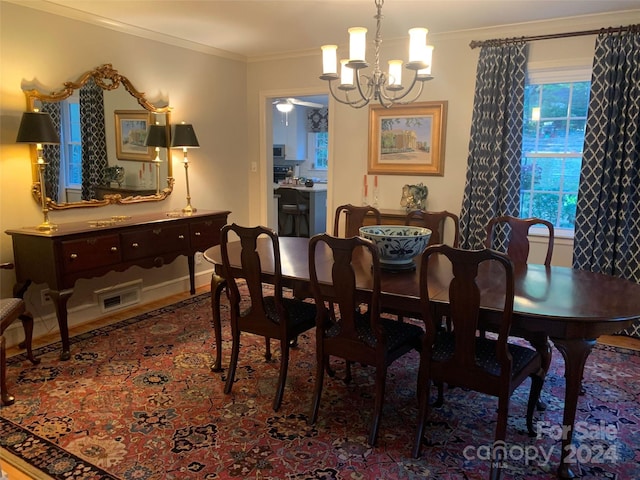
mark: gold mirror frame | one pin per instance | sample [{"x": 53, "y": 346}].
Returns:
[{"x": 108, "y": 79}]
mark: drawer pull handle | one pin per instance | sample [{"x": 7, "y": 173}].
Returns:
[
  {"x": 114, "y": 249},
  {"x": 181, "y": 237},
  {"x": 135, "y": 245},
  {"x": 73, "y": 256},
  {"x": 197, "y": 234}
]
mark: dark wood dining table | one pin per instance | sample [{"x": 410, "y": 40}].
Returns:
[{"x": 571, "y": 307}]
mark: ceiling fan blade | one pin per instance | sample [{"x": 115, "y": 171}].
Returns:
[{"x": 303, "y": 103}]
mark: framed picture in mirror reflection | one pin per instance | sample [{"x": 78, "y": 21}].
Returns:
[{"x": 131, "y": 133}]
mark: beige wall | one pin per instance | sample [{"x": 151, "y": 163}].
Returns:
[{"x": 227, "y": 102}]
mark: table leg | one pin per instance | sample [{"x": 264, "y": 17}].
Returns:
[
  {"x": 218, "y": 284},
  {"x": 540, "y": 342},
  {"x": 575, "y": 353},
  {"x": 192, "y": 274},
  {"x": 60, "y": 300}
]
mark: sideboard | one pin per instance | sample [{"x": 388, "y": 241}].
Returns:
[{"x": 93, "y": 248}]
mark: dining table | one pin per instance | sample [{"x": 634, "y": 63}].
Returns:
[{"x": 571, "y": 307}]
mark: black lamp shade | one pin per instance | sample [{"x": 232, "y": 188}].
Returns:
[
  {"x": 37, "y": 127},
  {"x": 156, "y": 136},
  {"x": 183, "y": 136}
]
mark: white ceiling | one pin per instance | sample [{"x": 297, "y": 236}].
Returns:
[{"x": 259, "y": 28}]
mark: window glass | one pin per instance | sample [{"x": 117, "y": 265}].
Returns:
[
  {"x": 321, "y": 150},
  {"x": 553, "y": 139},
  {"x": 71, "y": 144}
]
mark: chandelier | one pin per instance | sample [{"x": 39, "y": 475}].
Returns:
[{"x": 385, "y": 88}]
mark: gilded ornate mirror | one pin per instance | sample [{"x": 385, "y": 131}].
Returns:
[{"x": 103, "y": 157}]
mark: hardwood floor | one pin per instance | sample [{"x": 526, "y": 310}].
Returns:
[{"x": 19, "y": 470}]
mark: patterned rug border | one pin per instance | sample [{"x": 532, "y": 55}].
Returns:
[{"x": 61, "y": 464}]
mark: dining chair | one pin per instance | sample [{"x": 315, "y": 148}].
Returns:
[
  {"x": 516, "y": 240},
  {"x": 12, "y": 309},
  {"x": 354, "y": 218},
  {"x": 351, "y": 333},
  {"x": 459, "y": 357},
  {"x": 510, "y": 234},
  {"x": 269, "y": 315},
  {"x": 294, "y": 206},
  {"x": 435, "y": 221}
]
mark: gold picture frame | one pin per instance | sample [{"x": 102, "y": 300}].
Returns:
[
  {"x": 131, "y": 133},
  {"x": 407, "y": 139}
]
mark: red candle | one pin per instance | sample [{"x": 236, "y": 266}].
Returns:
[
  {"x": 365, "y": 180},
  {"x": 375, "y": 181},
  {"x": 365, "y": 189}
]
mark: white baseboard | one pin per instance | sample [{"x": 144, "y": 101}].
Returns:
[{"x": 90, "y": 312}]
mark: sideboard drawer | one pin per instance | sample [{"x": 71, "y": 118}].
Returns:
[
  {"x": 90, "y": 252},
  {"x": 155, "y": 241},
  {"x": 206, "y": 233}
]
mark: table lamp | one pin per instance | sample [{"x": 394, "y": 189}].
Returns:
[
  {"x": 37, "y": 128},
  {"x": 184, "y": 137},
  {"x": 157, "y": 137}
]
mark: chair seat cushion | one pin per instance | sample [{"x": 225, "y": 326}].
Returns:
[
  {"x": 397, "y": 333},
  {"x": 485, "y": 353},
  {"x": 8, "y": 306},
  {"x": 299, "y": 311}
]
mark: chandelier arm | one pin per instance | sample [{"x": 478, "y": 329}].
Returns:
[
  {"x": 396, "y": 99},
  {"x": 345, "y": 101}
]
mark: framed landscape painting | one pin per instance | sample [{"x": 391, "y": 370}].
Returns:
[
  {"x": 131, "y": 134},
  {"x": 407, "y": 139}
]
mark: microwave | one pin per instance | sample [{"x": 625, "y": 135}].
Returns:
[{"x": 278, "y": 152}]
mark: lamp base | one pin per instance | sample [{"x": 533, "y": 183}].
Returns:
[
  {"x": 47, "y": 226},
  {"x": 188, "y": 210}
]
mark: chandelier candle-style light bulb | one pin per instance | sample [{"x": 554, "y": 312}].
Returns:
[
  {"x": 376, "y": 85},
  {"x": 395, "y": 73},
  {"x": 329, "y": 60},
  {"x": 357, "y": 44},
  {"x": 346, "y": 76}
]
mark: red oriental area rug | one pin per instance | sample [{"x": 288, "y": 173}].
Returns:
[{"x": 138, "y": 401}]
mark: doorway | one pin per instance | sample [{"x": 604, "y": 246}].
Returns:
[{"x": 301, "y": 127}]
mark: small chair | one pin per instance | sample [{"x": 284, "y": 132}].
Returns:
[
  {"x": 516, "y": 240},
  {"x": 353, "y": 219},
  {"x": 272, "y": 316},
  {"x": 460, "y": 357},
  {"x": 10, "y": 310},
  {"x": 517, "y": 248},
  {"x": 294, "y": 206},
  {"x": 435, "y": 221},
  {"x": 357, "y": 337}
]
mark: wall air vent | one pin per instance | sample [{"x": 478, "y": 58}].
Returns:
[{"x": 119, "y": 296}]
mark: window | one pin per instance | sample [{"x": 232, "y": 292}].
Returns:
[
  {"x": 555, "y": 115},
  {"x": 321, "y": 143},
  {"x": 70, "y": 143}
]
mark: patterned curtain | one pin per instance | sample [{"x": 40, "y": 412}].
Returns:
[
  {"x": 317, "y": 120},
  {"x": 493, "y": 168},
  {"x": 94, "y": 141},
  {"x": 52, "y": 153},
  {"x": 607, "y": 231}
]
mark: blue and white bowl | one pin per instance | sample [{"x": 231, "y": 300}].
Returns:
[{"x": 397, "y": 245}]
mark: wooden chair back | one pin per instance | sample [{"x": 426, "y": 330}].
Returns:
[
  {"x": 435, "y": 221},
  {"x": 353, "y": 219},
  {"x": 514, "y": 237},
  {"x": 255, "y": 317},
  {"x": 341, "y": 292}
]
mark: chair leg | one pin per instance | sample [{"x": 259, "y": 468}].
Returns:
[
  {"x": 6, "y": 397},
  {"x": 27, "y": 325},
  {"x": 321, "y": 363},
  {"x": 282, "y": 378},
  {"x": 497, "y": 458},
  {"x": 267, "y": 352},
  {"x": 381, "y": 378},
  {"x": 233, "y": 363},
  {"x": 537, "y": 381},
  {"x": 423, "y": 410}
]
